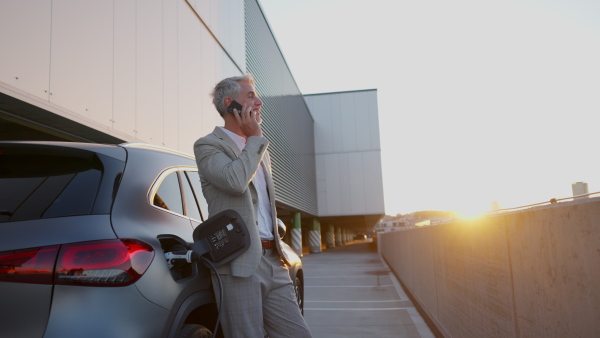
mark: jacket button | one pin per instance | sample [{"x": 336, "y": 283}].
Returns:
[{"x": 254, "y": 201}]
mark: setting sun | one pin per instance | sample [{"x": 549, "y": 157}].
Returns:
[{"x": 470, "y": 214}]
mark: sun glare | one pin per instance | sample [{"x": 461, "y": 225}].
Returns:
[{"x": 470, "y": 214}]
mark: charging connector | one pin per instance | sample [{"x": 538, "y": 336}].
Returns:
[{"x": 176, "y": 259}]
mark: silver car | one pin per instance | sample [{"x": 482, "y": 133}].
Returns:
[{"x": 84, "y": 229}]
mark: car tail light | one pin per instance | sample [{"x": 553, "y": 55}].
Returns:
[
  {"x": 103, "y": 263},
  {"x": 28, "y": 266},
  {"x": 116, "y": 262}
]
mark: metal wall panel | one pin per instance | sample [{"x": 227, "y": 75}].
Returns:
[
  {"x": 363, "y": 125},
  {"x": 374, "y": 121},
  {"x": 193, "y": 50},
  {"x": 346, "y": 124},
  {"x": 170, "y": 123},
  {"x": 25, "y": 41},
  {"x": 82, "y": 58},
  {"x": 373, "y": 181},
  {"x": 323, "y": 126},
  {"x": 348, "y": 155},
  {"x": 287, "y": 121},
  {"x": 202, "y": 63},
  {"x": 225, "y": 20},
  {"x": 357, "y": 182},
  {"x": 349, "y": 183},
  {"x": 321, "y": 176},
  {"x": 136, "y": 70},
  {"x": 343, "y": 171},
  {"x": 124, "y": 67},
  {"x": 211, "y": 75},
  {"x": 149, "y": 72},
  {"x": 332, "y": 200}
]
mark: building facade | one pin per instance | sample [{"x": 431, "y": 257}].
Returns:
[
  {"x": 142, "y": 71},
  {"x": 348, "y": 157}
]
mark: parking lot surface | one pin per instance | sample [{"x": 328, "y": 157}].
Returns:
[{"x": 350, "y": 292}]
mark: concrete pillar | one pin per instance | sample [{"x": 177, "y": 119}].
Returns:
[
  {"x": 330, "y": 237},
  {"x": 315, "y": 236},
  {"x": 338, "y": 236},
  {"x": 344, "y": 238},
  {"x": 297, "y": 233}
]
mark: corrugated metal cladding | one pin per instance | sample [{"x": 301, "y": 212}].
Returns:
[{"x": 287, "y": 121}]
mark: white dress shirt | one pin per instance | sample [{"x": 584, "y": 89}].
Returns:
[{"x": 265, "y": 221}]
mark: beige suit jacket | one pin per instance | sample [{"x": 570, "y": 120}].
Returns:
[{"x": 226, "y": 175}]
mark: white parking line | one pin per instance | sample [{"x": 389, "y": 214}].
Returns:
[
  {"x": 349, "y": 269},
  {"x": 313, "y": 271},
  {"x": 349, "y": 286},
  {"x": 353, "y": 301},
  {"x": 359, "y": 309},
  {"x": 363, "y": 276}
]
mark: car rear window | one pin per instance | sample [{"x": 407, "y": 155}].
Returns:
[{"x": 38, "y": 181}]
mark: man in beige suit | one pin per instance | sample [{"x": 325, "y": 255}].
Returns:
[{"x": 235, "y": 172}]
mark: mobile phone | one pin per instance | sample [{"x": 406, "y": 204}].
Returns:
[{"x": 236, "y": 105}]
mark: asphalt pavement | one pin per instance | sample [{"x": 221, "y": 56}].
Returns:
[{"x": 351, "y": 292}]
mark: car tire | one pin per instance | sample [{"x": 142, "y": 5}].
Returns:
[
  {"x": 195, "y": 331},
  {"x": 299, "y": 290}
]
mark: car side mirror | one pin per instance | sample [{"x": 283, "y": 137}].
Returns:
[{"x": 281, "y": 228}]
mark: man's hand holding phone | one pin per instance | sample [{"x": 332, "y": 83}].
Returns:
[
  {"x": 246, "y": 118},
  {"x": 234, "y": 105}
]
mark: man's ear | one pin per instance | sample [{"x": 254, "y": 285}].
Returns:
[{"x": 227, "y": 101}]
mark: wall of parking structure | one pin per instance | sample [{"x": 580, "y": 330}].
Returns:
[
  {"x": 531, "y": 273},
  {"x": 348, "y": 154},
  {"x": 288, "y": 123},
  {"x": 136, "y": 70},
  {"x": 142, "y": 71}
]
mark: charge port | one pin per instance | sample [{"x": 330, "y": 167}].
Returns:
[{"x": 179, "y": 268}]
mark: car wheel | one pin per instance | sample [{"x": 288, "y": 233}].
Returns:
[
  {"x": 195, "y": 331},
  {"x": 299, "y": 294}
]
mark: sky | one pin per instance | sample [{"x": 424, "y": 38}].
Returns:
[{"x": 479, "y": 101}]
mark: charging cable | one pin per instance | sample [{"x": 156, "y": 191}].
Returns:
[
  {"x": 177, "y": 258},
  {"x": 221, "y": 295}
]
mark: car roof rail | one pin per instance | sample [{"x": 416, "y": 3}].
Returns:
[{"x": 140, "y": 145}]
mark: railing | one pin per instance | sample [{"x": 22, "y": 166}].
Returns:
[{"x": 550, "y": 202}]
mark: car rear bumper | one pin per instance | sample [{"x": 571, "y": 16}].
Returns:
[{"x": 104, "y": 312}]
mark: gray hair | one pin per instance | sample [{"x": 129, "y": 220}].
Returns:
[{"x": 229, "y": 87}]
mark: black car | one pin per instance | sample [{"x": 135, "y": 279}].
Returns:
[{"x": 84, "y": 229}]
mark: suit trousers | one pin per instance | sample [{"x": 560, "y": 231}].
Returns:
[{"x": 263, "y": 302}]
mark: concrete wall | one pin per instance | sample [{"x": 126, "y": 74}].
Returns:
[{"x": 533, "y": 273}]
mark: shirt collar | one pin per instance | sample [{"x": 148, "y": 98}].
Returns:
[{"x": 239, "y": 140}]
